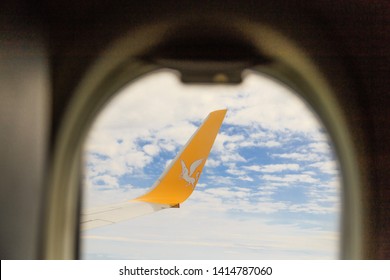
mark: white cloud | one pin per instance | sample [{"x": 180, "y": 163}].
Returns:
[
  {"x": 312, "y": 207},
  {"x": 303, "y": 178},
  {"x": 232, "y": 157},
  {"x": 238, "y": 172},
  {"x": 225, "y": 142},
  {"x": 245, "y": 239},
  {"x": 321, "y": 147},
  {"x": 106, "y": 181},
  {"x": 235, "y": 172},
  {"x": 151, "y": 150},
  {"x": 95, "y": 197},
  {"x": 212, "y": 163},
  {"x": 168, "y": 146},
  {"x": 258, "y": 143},
  {"x": 217, "y": 180},
  {"x": 299, "y": 156},
  {"x": 273, "y": 168},
  {"x": 246, "y": 178},
  {"x": 328, "y": 167}
]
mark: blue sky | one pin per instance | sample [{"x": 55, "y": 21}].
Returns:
[{"x": 270, "y": 188}]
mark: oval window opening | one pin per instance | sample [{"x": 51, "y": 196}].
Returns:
[{"x": 270, "y": 189}]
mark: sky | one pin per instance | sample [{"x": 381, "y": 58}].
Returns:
[{"x": 270, "y": 188}]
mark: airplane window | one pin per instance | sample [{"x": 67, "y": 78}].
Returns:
[{"x": 270, "y": 188}]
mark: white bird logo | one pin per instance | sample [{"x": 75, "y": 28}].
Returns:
[{"x": 187, "y": 175}]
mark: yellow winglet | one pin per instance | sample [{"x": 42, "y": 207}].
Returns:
[{"x": 178, "y": 181}]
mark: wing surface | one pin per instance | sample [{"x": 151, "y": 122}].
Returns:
[{"x": 119, "y": 212}]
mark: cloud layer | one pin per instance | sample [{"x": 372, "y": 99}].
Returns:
[{"x": 271, "y": 172}]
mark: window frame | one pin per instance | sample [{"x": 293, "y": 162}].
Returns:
[{"x": 290, "y": 64}]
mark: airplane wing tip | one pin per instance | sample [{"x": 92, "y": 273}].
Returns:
[{"x": 219, "y": 111}]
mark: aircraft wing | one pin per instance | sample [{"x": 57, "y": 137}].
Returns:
[{"x": 173, "y": 187}]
